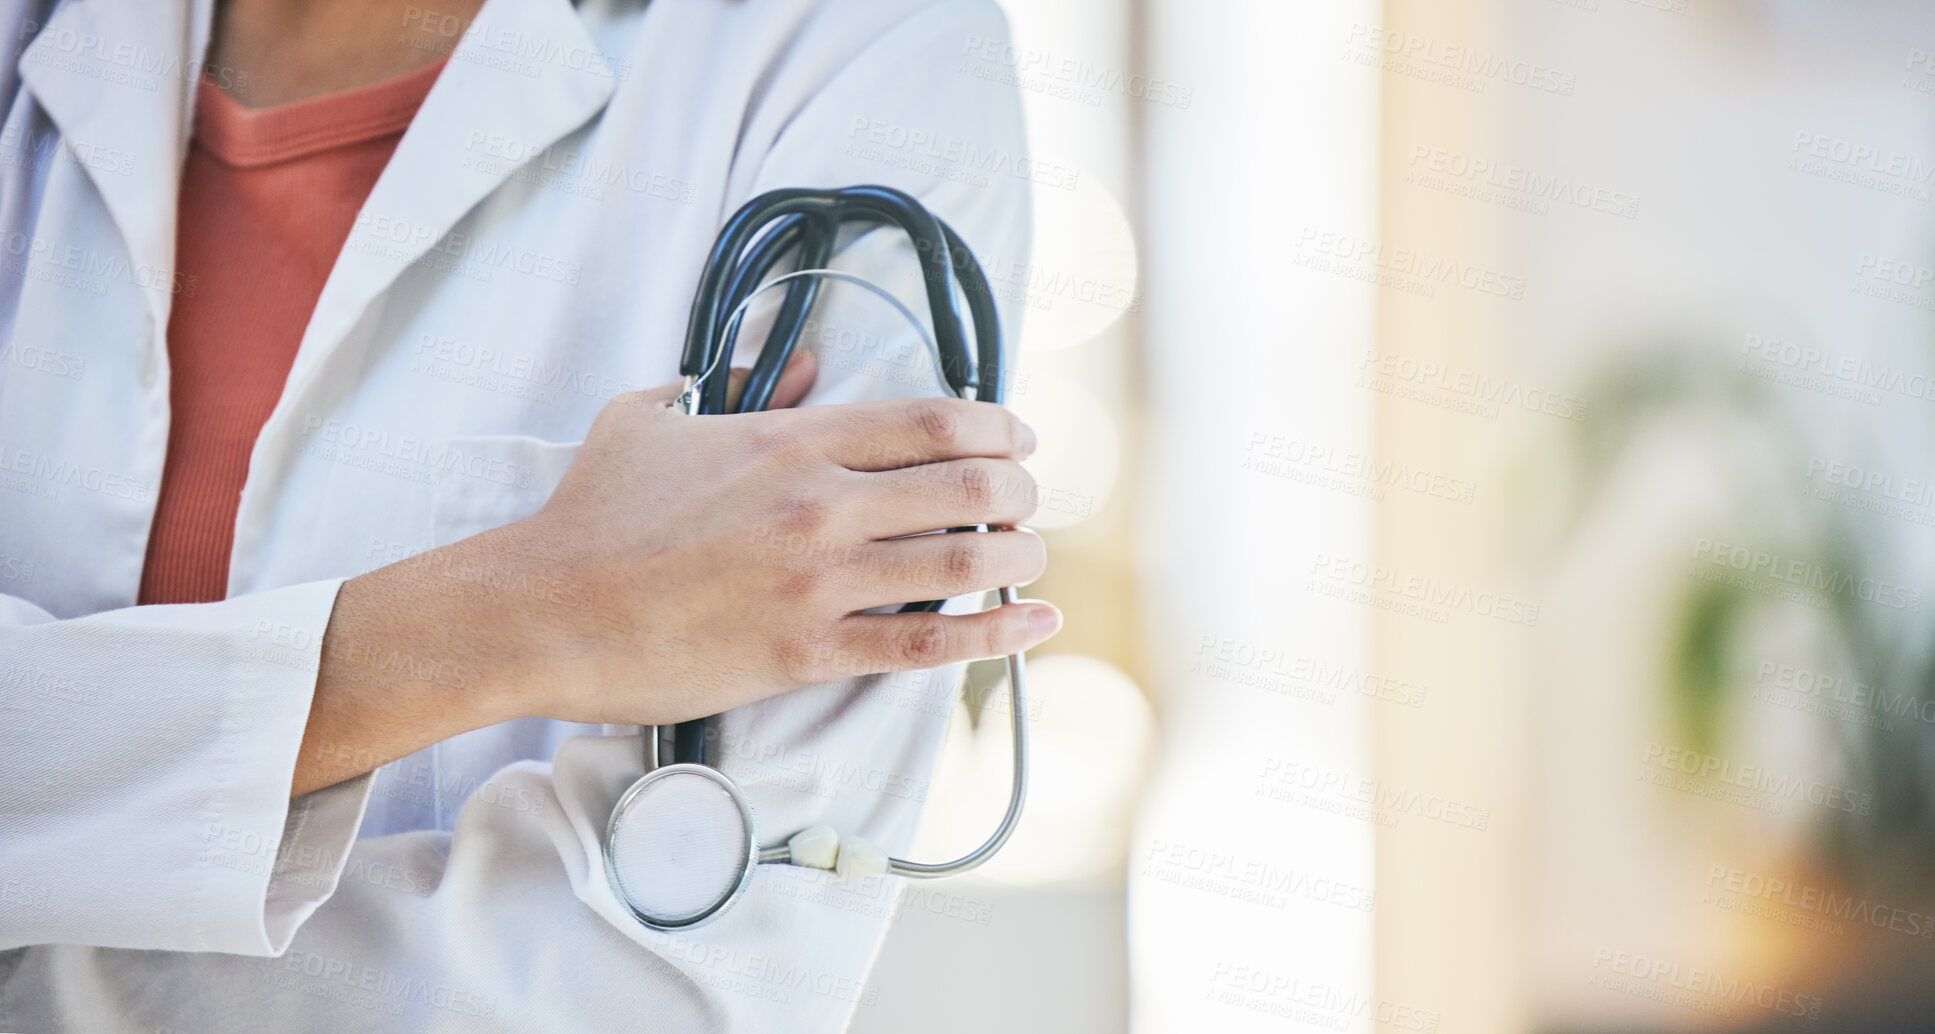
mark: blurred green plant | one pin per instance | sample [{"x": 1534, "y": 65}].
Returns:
[{"x": 1890, "y": 846}]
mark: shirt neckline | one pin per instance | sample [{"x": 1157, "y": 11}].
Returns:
[{"x": 246, "y": 137}]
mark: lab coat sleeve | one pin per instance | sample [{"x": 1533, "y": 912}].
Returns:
[
  {"x": 905, "y": 113},
  {"x": 146, "y": 756}
]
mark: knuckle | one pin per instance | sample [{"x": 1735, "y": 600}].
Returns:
[
  {"x": 926, "y": 644},
  {"x": 800, "y": 582},
  {"x": 802, "y": 513},
  {"x": 801, "y": 658},
  {"x": 964, "y": 562},
  {"x": 935, "y": 422},
  {"x": 977, "y": 487},
  {"x": 763, "y": 439}
]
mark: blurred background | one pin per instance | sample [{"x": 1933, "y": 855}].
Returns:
[{"x": 1487, "y": 474}]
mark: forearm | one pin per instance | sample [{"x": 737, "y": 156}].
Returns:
[{"x": 415, "y": 652}]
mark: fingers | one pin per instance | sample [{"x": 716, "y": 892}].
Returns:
[
  {"x": 796, "y": 379},
  {"x": 865, "y": 644},
  {"x": 905, "y": 432},
  {"x": 949, "y": 494},
  {"x": 933, "y": 567}
]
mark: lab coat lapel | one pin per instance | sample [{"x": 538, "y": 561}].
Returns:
[
  {"x": 118, "y": 78},
  {"x": 428, "y": 186},
  {"x": 431, "y": 182}
]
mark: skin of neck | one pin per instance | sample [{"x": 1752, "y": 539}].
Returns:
[{"x": 270, "y": 52}]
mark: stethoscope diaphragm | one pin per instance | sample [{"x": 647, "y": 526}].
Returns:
[{"x": 681, "y": 846}]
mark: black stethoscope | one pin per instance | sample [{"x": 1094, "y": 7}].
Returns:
[{"x": 682, "y": 842}]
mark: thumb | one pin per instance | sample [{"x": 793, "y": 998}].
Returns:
[{"x": 794, "y": 380}]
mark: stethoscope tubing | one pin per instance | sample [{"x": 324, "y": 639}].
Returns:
[{"x": 806, "y": 222}]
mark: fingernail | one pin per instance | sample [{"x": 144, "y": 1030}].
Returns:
[
  {"x": 1044, "y": 621},
  {"x": 1027, "y": 440}
]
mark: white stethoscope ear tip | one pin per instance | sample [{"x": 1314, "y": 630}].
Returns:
[
  {"x": 816, "y": 847},
  {"x": 860, "y": 860},
  {"x": 850, "y": 858}
]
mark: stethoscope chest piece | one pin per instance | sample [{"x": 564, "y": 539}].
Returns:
[{"x": 681, "y": 846}]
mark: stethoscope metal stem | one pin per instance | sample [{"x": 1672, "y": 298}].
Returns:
[{"x": 1017, "y": 794}]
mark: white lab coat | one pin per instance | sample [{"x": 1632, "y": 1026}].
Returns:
[{"x": 530, "y": 251}]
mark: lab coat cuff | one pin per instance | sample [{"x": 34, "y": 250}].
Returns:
[
  {"x": 275, "y": 685},
  {"x": 316, "y": 841}
]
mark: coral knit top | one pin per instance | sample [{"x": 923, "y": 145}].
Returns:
[{"x": 268, "y": 196}]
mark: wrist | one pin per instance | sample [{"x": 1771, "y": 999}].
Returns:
[{"x": 511, "y": 617}]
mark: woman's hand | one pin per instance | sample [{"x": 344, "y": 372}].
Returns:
[
  {"x": 723, "y": 559},
  {"x": 697, "y": 564}
]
